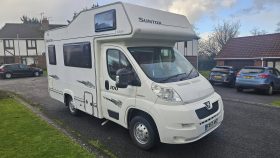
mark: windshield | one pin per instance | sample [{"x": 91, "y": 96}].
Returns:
[{"x": 163, "y": 64}]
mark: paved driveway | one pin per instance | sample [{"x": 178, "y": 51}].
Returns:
[
  {"x": 247, "y": 131},
  {"x": 247, "y": 95}
]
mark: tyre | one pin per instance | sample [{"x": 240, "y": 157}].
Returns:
[
  {"x": 239, "y": 89},
  {"x": 8, "y": 75},
  {"x": 36, "y": 74},
  {"x": 269, "y": 91},
  {"x": 143, "y": 132},
  {"x": 71, "y": 107}
]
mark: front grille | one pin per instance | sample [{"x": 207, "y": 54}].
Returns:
[{"x": 204, "y": 112}]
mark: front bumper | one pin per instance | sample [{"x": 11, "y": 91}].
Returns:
[{"x": 180, "y": 124}]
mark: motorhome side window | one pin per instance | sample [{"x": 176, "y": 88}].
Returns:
[
  {"x": 116, "y": 60},
  {"x": 52, "y": 55},
  {"x": 77, "y": 55},
  {"x": 105, "y": 21}
]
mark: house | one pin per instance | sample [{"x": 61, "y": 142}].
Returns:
[
  {"x": 190, "y": 50},
  {"x": 24, "y": 43},
  {"x": 261, "y": 50}
]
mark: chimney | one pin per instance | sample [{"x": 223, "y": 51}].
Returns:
[{"x": 45, "y": 24}]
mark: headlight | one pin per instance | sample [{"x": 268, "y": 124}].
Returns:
[{"x": 166, "y": 93}]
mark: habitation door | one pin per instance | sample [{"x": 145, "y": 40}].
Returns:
[{"x": 116, "y": 100}]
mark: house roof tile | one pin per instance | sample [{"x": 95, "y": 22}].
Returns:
[
  {"x": 252, "y": 47},
  {"x": 25, "y": 31}
]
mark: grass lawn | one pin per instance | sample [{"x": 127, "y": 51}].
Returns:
[
  {"x": 23, "y": 134},
  {"x": 45, "y": 73},
  {"x": 276, "y": 103},
  {"x": 205, "y": 73}
]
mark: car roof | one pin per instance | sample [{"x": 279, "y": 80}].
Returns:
[
  {"x": 258, "y": 67},
  {"x": 10, "y": 64},
  {"x": 224, "y": 66}
]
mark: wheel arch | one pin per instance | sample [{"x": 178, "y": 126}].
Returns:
[
  {"x": 132, "y": 112},
  {"x": 68, "y": 94}
]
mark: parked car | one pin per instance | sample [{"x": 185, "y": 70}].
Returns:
[
  {"x": 223, "y": 74},
  {"x": 8, "y": 71},
  {"x": 258, "y": 78}
]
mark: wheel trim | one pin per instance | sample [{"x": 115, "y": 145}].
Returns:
[
  {"x": 8, "y": 75},
  {"x": 141, "y": 133},
  {"x": 36, "y": 73},
  {"x": 72, "y": 107}
]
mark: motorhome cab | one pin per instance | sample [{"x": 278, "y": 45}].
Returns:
[{"x": 117, "y": 62}]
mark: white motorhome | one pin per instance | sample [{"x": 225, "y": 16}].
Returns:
[{"x": 118, "y": 62}]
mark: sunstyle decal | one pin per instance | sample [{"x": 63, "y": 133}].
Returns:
[
  {"x": 86, "y": 83},
  {"x": 116, "y": 102},
  {"x": 149, "y": 21}
]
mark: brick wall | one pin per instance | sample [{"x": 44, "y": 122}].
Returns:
[{"x": 220, "y": 63}]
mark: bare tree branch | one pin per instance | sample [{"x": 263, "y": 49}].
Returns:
[
  {"x": 256, "y": 31},
  {"x": 278, "y": 27},
  {"x": 218, "y": 39}
]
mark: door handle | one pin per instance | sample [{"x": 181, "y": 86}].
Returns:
[{"x": 106, "y": 84}]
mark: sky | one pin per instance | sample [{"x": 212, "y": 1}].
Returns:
[{"x": 203, "y": 14}]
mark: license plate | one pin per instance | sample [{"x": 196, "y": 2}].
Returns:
[
  {"x": 248, "y": 77},
  {"x": 211, "y": 125},
  {"x": 218, "y": 77}
]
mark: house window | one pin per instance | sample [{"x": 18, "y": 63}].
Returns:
[
  {"x": 28, "y": 60},
  {"x": 77, "y": 55},
  {"x": 52, "y": 55},
  {"x": 9, "y": 44},
  {"x": 31, "y": 44},
  {"x": 105, "y": 21}
]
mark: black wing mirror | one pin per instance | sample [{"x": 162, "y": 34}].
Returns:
[{"x": 124, "y": 78}]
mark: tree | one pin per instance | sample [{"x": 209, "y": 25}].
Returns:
[
  {"x": 278, "y": 27},
  {"x": 75, "y": 14},
  {"x": 26, "y": 20},
  {"x": 218, "y": 39},
  {"x": 256, "y": 31},
  {"x": 210, "y": 47},
  {"x": 224, "y": 32}
]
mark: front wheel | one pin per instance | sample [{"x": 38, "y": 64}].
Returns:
[{"x": 143, "y": 132}]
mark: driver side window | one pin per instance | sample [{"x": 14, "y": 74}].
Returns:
[{"x": 116, "y": 60}]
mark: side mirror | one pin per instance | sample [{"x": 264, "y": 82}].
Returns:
[{"x": 124, "y": 78}]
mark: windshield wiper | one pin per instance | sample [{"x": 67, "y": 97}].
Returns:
[
  {"x": 189, "y": 74},
  {"x": 166, "y": 79}
]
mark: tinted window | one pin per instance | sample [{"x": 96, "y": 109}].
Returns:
[
  {"x": 21, "y": 66},
  {"x": 105, "y": 21},
  {"x": 77, "y": 55},
  {"x": 12, "y": 67},
  {"x": 252, "y": 70},
  {"x": 115, "y": 61},
  {"x": 221, "y": 69},
  {"x": 52, "y": 55}
]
